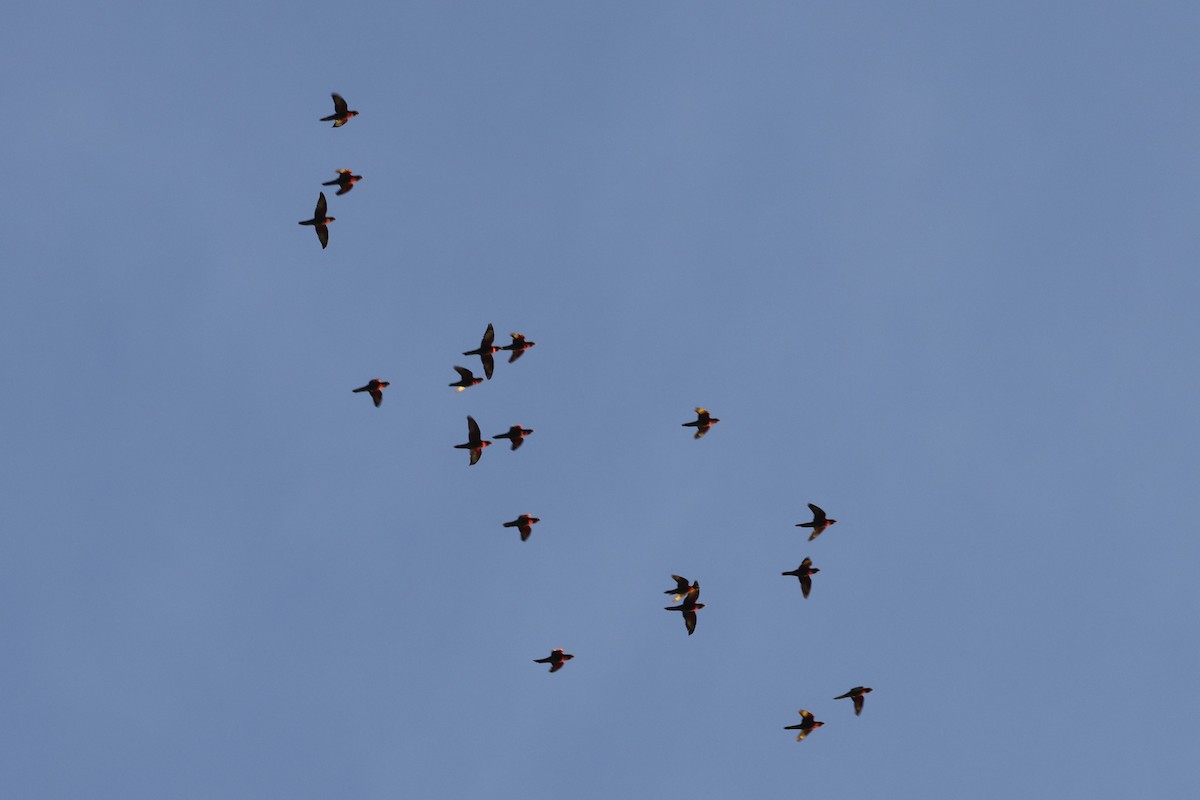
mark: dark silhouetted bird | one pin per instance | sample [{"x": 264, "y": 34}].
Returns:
[
  {"x": 819, "y": 524},
  {"x": 466, "y": 379},
  {"x": 341, "y": 112},
  {"x": 518, "y": 347},
  {"x": 857, "y": 693},
  {"x": 516, "y": 434},
  {"x": 681, "y": 587},
  {"x": 555, "y": 659},
  {"x": 485, "y": 351},
  {"x": 345, "y": 181},
  {"x": 804, "y": 573},
  {"x": 475, "y": 442},
  {"x": 375, "y": 387},
  {"x": 524, "y": 524},
  {"x": 703, "y": 422},
  {"x": 807, "y": 725},
  {"x": 689, "y": 607},
  {"x": 320, "y": 221}
]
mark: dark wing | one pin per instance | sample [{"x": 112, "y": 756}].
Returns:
[
  {"x": 517, "y": 441},
  {"x": 818, "y": 514},
  {"x": 858, "y": 704},
  {"x": 476, "y": 452},
  {"x": 805, "y": 564},
  {"x": 525, "y": 531},
  {"x": 465, "y": 374},
  {"x": 515, "y": 355},
  {"x": 489, "y": 363},
  {"x": 339, "y": 105},
  {"x": 322, "y": 207},
  {"x": 377, "y": 396},
  {"x": 489, "y": 336},
  {"x": 693, "y": 593},
  {"x": 345, "y": 188},
  {"x": 557, "y": 666},
  {"x": 805, "y": 585},
  {"x": 681, "y": 586},
  {"x": 473, "y": 434},
  {"x": 323, "y": 235},
  {"x": 689, "y": 619}
]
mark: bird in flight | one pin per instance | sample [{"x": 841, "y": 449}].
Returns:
[
  {"x": 475, "y": 443},
  {"x": 681, "y": 587},
  {"x": 524, "y": 524},
  {"x": 516, "y": 435},
  {"x": 703, "y": 422},
  {"x": 345, "y": 181},
  {"x": 819, "y": 523},
  {"x": 375, "y": 387},
  {"x": 341, "y": 112},
  {"x": 518, "y": 347},
  {"x": 804, "y": 572},
  {"x": 485, "y": 351},
  {"x": 807, "y": 725},
  {"x": 466, "y": 379},
  {"x": 320, "y": 221},
  {"x": 857, "y": 693},
  {"x": 689, "y": 607},
  {"x": 556, "y": 659}
]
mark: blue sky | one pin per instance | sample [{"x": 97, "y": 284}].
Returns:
[{"x": 934, "y": 267}]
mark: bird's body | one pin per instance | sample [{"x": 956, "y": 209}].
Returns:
[
  {"x": 486, "y": 350},
  {"x": 320, "y": 221},
  {"x": 807, "y": 725},
  {"x": 857, "y": 694},
  {"x": 524, "y": 524},
  {"x": 804, "y": 572},
  {"x": 819, "y": 523},
  {"x": 466, "y": 379},
  {"x": 475, "y": 442},
  {"x": 375, "y": 387},
  {"x": 689, "y": 607},
  {"x": 518, "y": 347},
  {"x": 344, "y": 181},
  {"x": 341, "y": 112},
  {"x": 516, "y": 435},
  {"x": 556, "y": 659},
  {"x": 702, "y": 423}
]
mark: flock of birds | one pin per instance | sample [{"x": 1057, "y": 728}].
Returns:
[{"x": 686, "y": 593}]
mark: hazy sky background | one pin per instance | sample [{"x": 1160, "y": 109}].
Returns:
[{"x": 934, "y": 265}]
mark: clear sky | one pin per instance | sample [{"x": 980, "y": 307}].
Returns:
[{"x": 932, "y": 264}]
